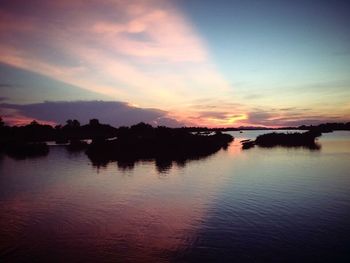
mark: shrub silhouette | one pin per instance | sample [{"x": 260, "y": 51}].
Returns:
[
  {"x": 142, "y": 141},
  {"x": 306, "y": 139}
]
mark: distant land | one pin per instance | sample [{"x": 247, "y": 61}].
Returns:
[
  {"x": 74, "y": 130},
  {"x": 142, "y": 140},
  {"x": 139, "y": 141}
]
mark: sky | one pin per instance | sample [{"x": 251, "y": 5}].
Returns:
[{"x": 175, "y": 62}]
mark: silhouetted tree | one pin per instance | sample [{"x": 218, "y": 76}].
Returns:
[
  {"x": 141, "y": 128},
  {"x": 34, "y": 123},
  {"x": 76, "y": 123},
  {"x": 69, "y": 123},
  {"x": 94, "y": 122},
  {"x": 72, "y": 123}
]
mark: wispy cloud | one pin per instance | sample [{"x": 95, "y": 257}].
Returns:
[
  {"x": 143, "y": 52},
  {"x": 290, "y": 116}
]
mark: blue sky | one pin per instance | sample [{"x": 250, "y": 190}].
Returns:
[{"x": 277, "y": 45}]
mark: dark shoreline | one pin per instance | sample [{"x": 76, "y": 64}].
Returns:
[
  {"x": 140, "y": 140},
  {"x": 129, "y": 144}
]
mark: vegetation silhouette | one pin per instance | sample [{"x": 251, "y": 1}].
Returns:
[
  {"x": 23, "y": 150},
  {"x": 77, "y": 145},
  {"x": 35, "y": 132},
  {"x": 247, "y": 144},
  {"x": 163, "y": 144},
  {"x": 306, "y": 140},
  {"x": 126, "y": 145},
  {"x": 142, "y": 141},
  {"x": 19, "y": 145},
  {"x": 327, "y": 127},
  {"x": 30, "y": 140}
]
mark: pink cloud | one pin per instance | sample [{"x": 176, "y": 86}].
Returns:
[
  {"x": 144, "y": 52},
  {"x": 14, "y": 117}
]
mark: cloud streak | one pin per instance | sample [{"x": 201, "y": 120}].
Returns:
[
  {"x": 290, "y": 116},
  {"x": 143, "y": 52}
]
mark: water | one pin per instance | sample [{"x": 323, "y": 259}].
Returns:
[{"x": 257, "y": 205}]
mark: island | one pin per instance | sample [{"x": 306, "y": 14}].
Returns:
[
  {"x": 295, "y": 139},
  {"x": 129, "y": 144},
  {"x": 142, "y": 141}
]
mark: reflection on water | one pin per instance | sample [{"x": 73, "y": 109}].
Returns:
[
  {"x": 261, "y": 205},
  {"x": 162, "y": 165}
]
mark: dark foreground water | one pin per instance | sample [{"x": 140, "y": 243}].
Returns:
[{"x": 257, "y": 205}]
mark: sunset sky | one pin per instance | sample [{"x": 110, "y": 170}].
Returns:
[{"x": 176, "y": 62}]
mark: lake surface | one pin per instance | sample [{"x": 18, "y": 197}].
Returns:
[{"x": 256, "y": 205}]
